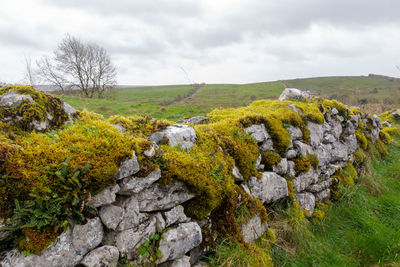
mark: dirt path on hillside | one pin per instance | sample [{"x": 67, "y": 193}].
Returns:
[{"x": 186, "y": 96}]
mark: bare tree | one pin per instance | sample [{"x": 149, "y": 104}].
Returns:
[
  {"x": 30, "y": 75},
  {"x": 77, "y": 65}
]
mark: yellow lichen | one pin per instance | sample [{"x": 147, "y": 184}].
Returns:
[
  {"x": 381, "y": 147},
  {"x": 269, "y": 159}
]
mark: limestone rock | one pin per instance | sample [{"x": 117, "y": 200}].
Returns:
[
  {"x": 128, "y": 167},
  {"x": 315, "y": 188},
  {"x": 258, "y": 132},
  {"x": 105, "y": 197},
  {"x": 178, "y": 134},
  {"x": 151, "y": 152},
  {"x": 131, "y": 216},
  {"x": 306, "y": 201},
  {"x": 323, "y": 195},
  {"x": 293, "y": 93},
  {"x": 267, "y": 145},
  {"x": 67, "y": 250},
  {"x": 181, "y": 262},
  {"x": 133, "y": 185},
  {"x": 281, "y": 168},
  {"x": 290, "y": 154},
  {"x": 12, "y": 98},
  {"x": 253, "y": 229},
  {"x": 111, "y": 216},
  {"x": 237, "y": 175},
  {"x": 396, "y": 114},
  {"x": 270, "y": 187},
  {"x": 339, "y": 152},
  {"x": 295, "y": 133},
  {"x": 157, "y": 198},
  {"x": 178, "y": 241},
  {"x": 195, "y": 120},
  {"x": 303, "y": 149},
  {"x": 105, "y": 256},
  {"x": 323, "y": 152},
  {"x": 302, "y": 181},
  {"x": 175, "y": 215},
  {"x": 316, "y": 133}
]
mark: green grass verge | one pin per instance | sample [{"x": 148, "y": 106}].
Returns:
[{"x": 361, "y": 229}]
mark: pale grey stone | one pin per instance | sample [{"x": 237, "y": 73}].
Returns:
[
  {"x": 111, "y": 216},
  {"x": 181, "y": 262},
  {"x": 290, "y": 154},
  {"x": 302, "y": 181},
  {"x": 157, "y": 198},
  {"x": 351, "y": 144},
  {"x": 315, "y": 188},
  {"x": 175, "y": 215},
  {"x": 329, "y": 139},
  {"x": 293, "y": 93},
  {"x": 258, "y": 162},
  {"x": 132, "y": 217},
  {"x": 40, "y": 125},
  {"x": 160, "y": 221},
  {"x": 306, "y": 201},
  {"x": 245, "y": 188},
  {"x": 295, "y": 133},
  {"x": 323, "y": 152},
  {"x": 386, "y": 124},
  {"x": 67, "y": 250},
  {"x": 237, "y": 175},
  {"x": 336, "y": 128},
  {"x": 133, "y": 185},
  {"x": 68, "y": 109},
  {"x": 253, "y": 229},
  {"x": 316, "y": 133},
  {"x": 105, "y": 256},
  {"x": 334, "y": 111},
  {"x": 270, "y": 187},
  {"x": 177, "y": 135},
  {"x": 303, "y": 149},
  {"x": 396, "y": 114},
  {"x": 12, "y": 98},
  {"x": 150, "y": 153},
  {"x": 178, "y": 241},
  {"x": 323, "y": 195},
  {"x": 281, "y": 168},
  {"x": 291, "y": 172},
  {"x": 195, "y": 120},
  {"x": 339, "y": 152},
  {"x": 128, "y": 167},
  {"x": 349, "y": 128},
  {"x": 105, "y": 197},
  {"x": 258, "y": 132},
  {"x": 295, "y": 109},
  {"x": 267, "y": 145}
]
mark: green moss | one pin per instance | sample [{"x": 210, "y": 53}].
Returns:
[
  {"x": 304, "y": 164},
  {"x": 291, "y": 190},
  {"x": 385, "y": 137},
  {"x": 359, "y": 157},
  {"x": 140, "y": 125},
  {"x": 346, "y": 176},
  {"x": 269, "y": 159},
  {"x": 392, "y": 131},
  {"x": 38, "y": 110},
  {"x": 362, "y": 140},
  {"x": 34, "y": 241},
  {"x": 343, "y": 110},
  {"x": 381, "y": 147}
]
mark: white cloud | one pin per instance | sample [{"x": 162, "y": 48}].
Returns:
[{"x": 215, "y": 41}]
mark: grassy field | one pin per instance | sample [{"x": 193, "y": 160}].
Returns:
[{"x": 374, "y": 94}]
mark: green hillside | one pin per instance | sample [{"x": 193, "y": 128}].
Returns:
[{"x": 173, "y": 102}]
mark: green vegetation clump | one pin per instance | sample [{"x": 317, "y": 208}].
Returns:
[
  {"x": 359, "y": 157},
  {"x": 392, "y": 131},
  {"x": 143, "y": 126},
  {"x": 304, "y": 164},
  {"x": 381, "y": 147},
  {"x": 362, "y": 140},
  {"x": 29, "y": 112},
  {"x": 269, "y": 159},
  {"x": 385, "y": 137}
]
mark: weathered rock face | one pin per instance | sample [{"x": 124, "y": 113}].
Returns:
[
  {"x": 67, "y": 250},
  {"x": 128, "y": 167},
  {"x": 178, "y": 134},
  {"x": 195, "y": 120},
  {"x": 134, "y": 185},
  {"x": 180, "y": 240},
  {"x": 269, "y": 188},
  {"x": 12, "y": 99},
  {"x": 253, "y": 229},
  {"x": 102, "y": 256},
  {"x": 293, "y": 93}
]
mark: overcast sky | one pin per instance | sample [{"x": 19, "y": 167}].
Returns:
[{"x": 214, "y": 41}]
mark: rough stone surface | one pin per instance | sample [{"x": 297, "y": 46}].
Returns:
[
  {"x": 258, "y": 132},
  {"x": 12, "y": 98},
  {"x": 105, "y": 197},
  {"x": 195, "y": 120},
  {"x": 323, "y": 153},
  {"x": 111, "y": 216},
  {"x": 181, "y": 262},
  {"x": 132, "y": 217},
  {"x": 128, "y": 167},
  {"x": 314, "y": 188},
  {"x": 306, "y": 201},
  {"x": 293, "y": 93},
  {"x": 302, "y": 148},
  {"x": 253, "y": 229},
  {"x": 237, "y": 175},
  {"x": 67, "y": 250},
  {"x": 302, "y": 181},
  {"x": 282, "y": 167},
  {"x": 151, "y": 152},
  {"x": 105, "y": 256},
  {"x": 157, "y": 198},
  {"x": 178, "y": 134},
  {"x": 133, "y": 185},
  {"x": 323, "y": 195},
  {"x": 270, "y": 187},
  {"x": 316, "y": 133},
  {"x": 178, "y": 241},
  {"x": 295, "y": 133},
  {"x": 175, "y": 215},
  {"x": 396, "y": 114}
]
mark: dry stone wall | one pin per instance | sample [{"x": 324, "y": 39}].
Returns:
[{"x": 137, "y": 208}]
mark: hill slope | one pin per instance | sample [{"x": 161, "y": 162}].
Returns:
[{"x": 373, "y": 93}]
